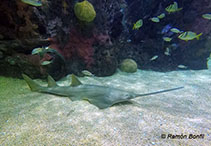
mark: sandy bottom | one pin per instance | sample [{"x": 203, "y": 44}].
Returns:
[{"x": 181, "y": 117}]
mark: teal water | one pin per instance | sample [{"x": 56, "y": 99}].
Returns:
[{"x": 27, "y": 117}]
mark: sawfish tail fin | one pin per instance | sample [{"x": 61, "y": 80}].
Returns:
[
  {"x": 157, "y": 92},
  {"x": 33, "y": 85}
]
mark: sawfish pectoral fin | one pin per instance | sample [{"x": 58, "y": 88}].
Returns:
[
  {"x": 97, "y": 101},
  {"x": 105, "y": 103},
  {"x": 100, "y": 105}
]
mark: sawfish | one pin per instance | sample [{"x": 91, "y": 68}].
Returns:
[{"x": 100, "y": 96}]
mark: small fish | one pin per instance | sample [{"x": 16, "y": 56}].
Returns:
[
  {"x": 87, "y": 73},
  {"x": 36, "y": 3},
  {"x": 65, "y": 6},
  {"x": 154, "y": 58},
  {"x": 46, "y": 63},
  {"x": 167, "y": 52},
  {"x": 44, "y": 50},
  {"x": 129, "y": 40},
  {"x": 155, "y": 19},
  {"x": 161, "y": 16},
  {"x": 182, "y": 66},
  {"x": 166, "y": 28},
  {"x": 173, "y": 46},
  {"x": 207, "y": 16},
  {"x": 138, "y": 24},
  {"x": 173, "y": 8},
  {"x": 37, "y": 51},
  {"x": 167, "y": 39},
  {"x": 189, "y": 35},
  {"x": 175, "y": 30}
]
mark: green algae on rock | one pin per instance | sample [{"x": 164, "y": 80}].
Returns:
[{"x": 128, "y": 65}]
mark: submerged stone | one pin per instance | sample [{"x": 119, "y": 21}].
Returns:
[{"x": 128, "y": 65}]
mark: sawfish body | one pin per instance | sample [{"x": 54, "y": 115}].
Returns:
[{"x": 100, "y": 96}]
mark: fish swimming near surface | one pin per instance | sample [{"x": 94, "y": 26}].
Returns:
[
  {"x": 36, "y": 3},
  {"x": 173, "y": 8},
  {"x": 189, "y": 35},
  {"x": 100, "y": 96}
]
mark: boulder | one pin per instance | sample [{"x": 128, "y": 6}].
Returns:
[{"x": 128, "y": 65}]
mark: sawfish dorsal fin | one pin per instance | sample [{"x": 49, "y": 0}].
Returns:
[
  {"x": 51, "y": 82},
  {"x": 75, "y": 81}
]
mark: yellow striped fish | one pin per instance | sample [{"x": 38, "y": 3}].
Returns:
[
  {"x": 189, "y": 35},
  {"x": 207, "y": 16},
  {"x": 173, "y": 8},
  {"x": 138, "y": 24},
  {"x": 36, "y": 3}
]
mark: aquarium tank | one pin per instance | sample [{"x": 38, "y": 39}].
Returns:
[{"x": 105, "y": 72}]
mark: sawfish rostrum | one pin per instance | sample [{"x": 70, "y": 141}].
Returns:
[{"x": 100, "y": 96}]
